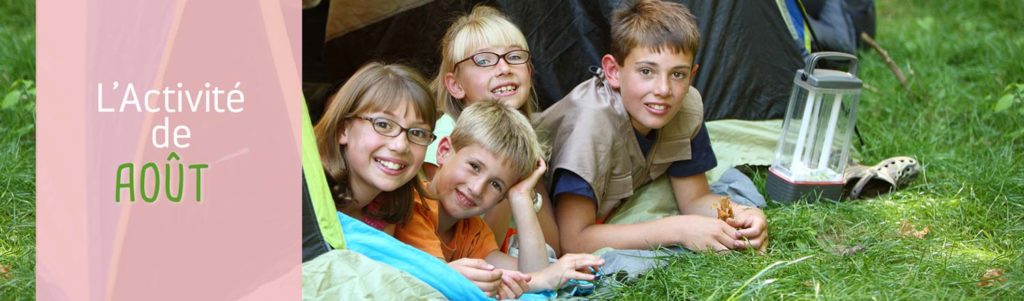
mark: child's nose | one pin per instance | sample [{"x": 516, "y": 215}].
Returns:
[
  {"x": 663, "y": 88},
  {"x": 478, "y": 186},
  {"x": 399, "y": 143},
  {"x": 503, "y": 66}
]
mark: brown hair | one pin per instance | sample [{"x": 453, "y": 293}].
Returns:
[
  {"x": 485, "y": 26},
  {"x": 375, "y": 87},
  {"x": 656, "y": 25}
]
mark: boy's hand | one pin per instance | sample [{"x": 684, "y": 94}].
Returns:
[
  {"x": 524, "y": 189},
  {"x": 513, "y": 284},
  {"x": 566, "y": 268},
  {"x": 482, "y": 274},
  {"x": 702, "y": 233},
  {"x": 752, "y": 229}
]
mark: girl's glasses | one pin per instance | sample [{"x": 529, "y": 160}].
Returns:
[
  {"x": 487, "y": 59},
  {"x": 390, "y": 128}
]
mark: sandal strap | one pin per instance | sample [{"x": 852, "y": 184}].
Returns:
[{"x": 864, "y": 179}]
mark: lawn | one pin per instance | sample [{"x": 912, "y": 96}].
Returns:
[
  {"x": 17, "y": 150},
  {"x": 960, "y": 57}
]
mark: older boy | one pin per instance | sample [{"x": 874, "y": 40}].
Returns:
[
  {"x": 492, "y": 153},
  {"x": 641, "y": 120}
]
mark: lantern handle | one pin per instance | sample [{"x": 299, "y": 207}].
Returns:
[{"x": 832, "y": 56}]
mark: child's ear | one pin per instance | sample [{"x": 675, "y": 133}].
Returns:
[
  {"x": 610, "y": 68},
  {"x": 693, "y": 72},
  {"x": 343, "y": 134},
  {"x": 444, "y": 149},
  {"x": 453, "y": 86}
]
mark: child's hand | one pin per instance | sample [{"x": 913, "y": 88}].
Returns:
[
  {"x": 524, "y": 189},
  {"x": 482, "y": 274},
  {"x": 566, "y": 268},
  {"x": 698, "y": 233},
  {"x": 513, "y": 284},
  {"x": 752, "y": 229}
]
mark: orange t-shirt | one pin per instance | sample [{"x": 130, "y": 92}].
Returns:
[{"x": 472, "y": 239}]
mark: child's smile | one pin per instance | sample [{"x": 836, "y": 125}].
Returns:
[
  {"x": 376, "y": 162},
  {"x": 503, "y": 82},
  {"x": 471, "y": 180},
  {"x": 653, "y": 85}
]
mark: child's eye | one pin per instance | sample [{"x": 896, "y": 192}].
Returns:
[
  {"x": 382, "y": 124},
  {"x": 482, "y": 61},
  {"x": 646, "y": 71},
  {"x": 474, "y": 166},
  {"x": 496, "y": 185},
  {"x": 419, "y": 133},
  {"x": 678, "y": 75}
]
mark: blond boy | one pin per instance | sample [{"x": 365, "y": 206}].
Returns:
[{"x": 493, "y": 153}]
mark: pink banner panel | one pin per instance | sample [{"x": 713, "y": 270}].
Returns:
[{"x": 168, "y": 147}]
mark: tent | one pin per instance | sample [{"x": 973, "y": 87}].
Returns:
[{"x": 749, "y": 49}]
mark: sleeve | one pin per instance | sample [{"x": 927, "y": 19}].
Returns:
[
  {"x": 483, "y": 242},
  {"x": 566, "y": 181},
  {"x": 420, "y": 231},
  {"x": 702, "y": 157}
]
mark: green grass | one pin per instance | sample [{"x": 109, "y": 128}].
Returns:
[
  {"x": 17, "y": 151},
  {"x": 971, "y": 193}
]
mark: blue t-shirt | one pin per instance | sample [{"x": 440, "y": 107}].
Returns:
[{"x": 702, "y": 159}]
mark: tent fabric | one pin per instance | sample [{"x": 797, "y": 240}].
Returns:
[
  {"x": 747, "y": 54},
  {"x": 383, "y": 248},
  {"x": 319, "y": 196},
  {"x": 832, "y": 26},
  {"x": 313, "y": 242},
  {"x": 742, "y": 142},
  {"x": 344, "y": 16},
  {"x": 348, "y": 275}
]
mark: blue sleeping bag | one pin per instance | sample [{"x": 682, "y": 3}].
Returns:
[{"x": 382, "y": 247}]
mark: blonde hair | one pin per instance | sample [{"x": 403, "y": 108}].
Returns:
[
  {"x": 483, "y": 27},
  {"x": 375, "y": 87},
  {"x": 502, "y": 131},
  {"x": 656, "y": 25}
]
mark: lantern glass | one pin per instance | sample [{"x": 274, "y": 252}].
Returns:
[{"x": 815, "y": 141}]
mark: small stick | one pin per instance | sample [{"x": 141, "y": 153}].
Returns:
[
  {"x": 888, "y": 59},
  {"x": 892, "y": 67}
]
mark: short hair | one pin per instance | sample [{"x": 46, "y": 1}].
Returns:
[
  {"x": 375, "y": 87},
  {"x": 656, "y": 25},
  {"x": 502, "y": 131},
  {"x": 484, "y": 27}
]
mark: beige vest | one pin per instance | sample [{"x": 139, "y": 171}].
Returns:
[{"x": 590, "y": 134}]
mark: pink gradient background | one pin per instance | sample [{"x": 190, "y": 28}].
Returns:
[{"x": 243, "y": 240}]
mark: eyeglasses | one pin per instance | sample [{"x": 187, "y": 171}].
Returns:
[
  {"x": 487, "y": 59},
  {"x": 390, "y": 128}
]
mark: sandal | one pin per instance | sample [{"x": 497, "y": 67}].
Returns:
[{"x": 886, "y": 176}]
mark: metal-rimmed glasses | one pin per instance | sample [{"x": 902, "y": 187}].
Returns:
[
  {"x": 487, "y": 59},
  {"x": 390, "y": 128}
]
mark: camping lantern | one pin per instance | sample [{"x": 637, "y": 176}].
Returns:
[{"x": 815, "y": 142}]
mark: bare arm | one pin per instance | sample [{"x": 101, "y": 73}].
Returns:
[
  {"x": 579, "y": 233},
  {"x": 532, "y": 254},
  {"x": 694, "y": 197},
  {"x": 498, "y": 217},
  {"x": 547, "y": 220}
]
